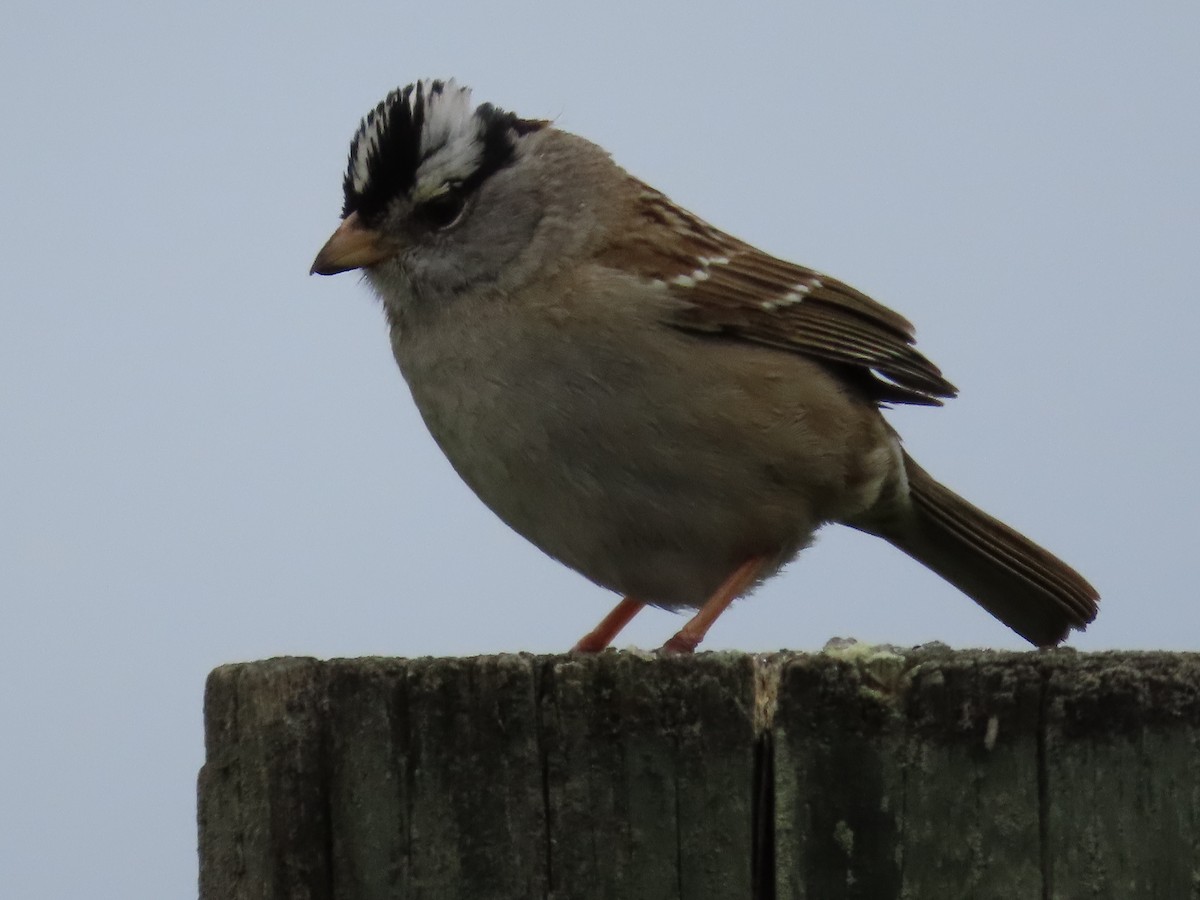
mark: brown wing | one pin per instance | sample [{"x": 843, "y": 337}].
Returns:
[{"x": 729, "y": 287}]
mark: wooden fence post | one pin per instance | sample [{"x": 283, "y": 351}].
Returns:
[{"x": 865, "y": 773}]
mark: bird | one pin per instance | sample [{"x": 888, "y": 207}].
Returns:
[{"x": 662, "y": 407}]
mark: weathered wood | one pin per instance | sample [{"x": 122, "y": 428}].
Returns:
[
  {"x": 909, "y": 776},
  {"x": 1122, "y": 774},
  {"x": 649, "y": 776},
  {"x": 263, "y": 815},
  {"x": 861, "y": 773},
  {"x": 435, "y": 785}
]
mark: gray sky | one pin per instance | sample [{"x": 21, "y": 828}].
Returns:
[{"x": 209, "y": 456}]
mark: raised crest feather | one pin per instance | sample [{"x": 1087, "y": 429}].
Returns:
[{"x": 422, "y": 137}]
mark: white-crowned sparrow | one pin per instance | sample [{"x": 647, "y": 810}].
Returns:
[{"x": 663, "y": 408}]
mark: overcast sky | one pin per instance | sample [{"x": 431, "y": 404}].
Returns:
[{"x": 209, "y": 456}]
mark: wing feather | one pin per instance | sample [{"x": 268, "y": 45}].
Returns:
[{"x": 731, "y": 288}]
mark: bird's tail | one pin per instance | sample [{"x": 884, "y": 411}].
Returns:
[{"x": 1027, "y": 588}]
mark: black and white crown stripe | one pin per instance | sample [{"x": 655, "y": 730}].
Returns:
[{"x": 422, "y": 138}]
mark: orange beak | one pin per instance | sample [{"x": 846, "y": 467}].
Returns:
[{"x": 352, "y": 246}]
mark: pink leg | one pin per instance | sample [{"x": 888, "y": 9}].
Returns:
[
  {"x": 610, "y": 626},
  {"x": 690, "y": 635}
]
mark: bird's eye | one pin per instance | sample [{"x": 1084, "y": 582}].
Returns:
[{"x": 444, "y": 210}]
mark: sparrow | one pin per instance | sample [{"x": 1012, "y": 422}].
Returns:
[{"x": 666, "y": 409}]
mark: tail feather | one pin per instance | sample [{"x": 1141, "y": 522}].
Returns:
[{"x": 1024, "y": 586}]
